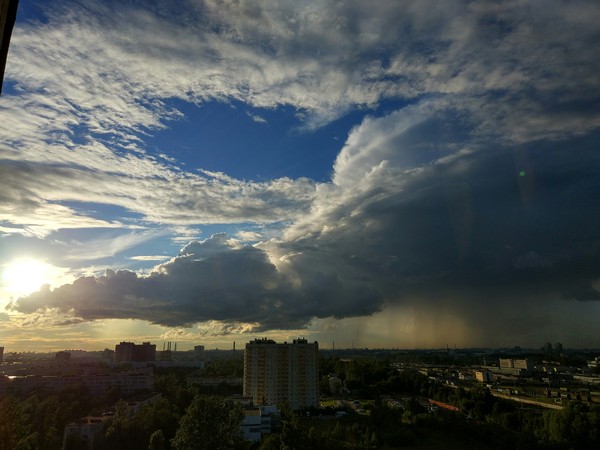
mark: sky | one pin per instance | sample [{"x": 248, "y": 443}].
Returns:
[{"x": 402, "y": 174}]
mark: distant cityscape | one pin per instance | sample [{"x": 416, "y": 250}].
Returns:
[{"x": 267, "y": 376}]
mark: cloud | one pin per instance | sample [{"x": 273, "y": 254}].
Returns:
[
  {"x": 411, "y": 219},
  {"x": 93, "y": 81},
  {"x": 323, "y": 59},
  {"x": 104, "y": 245},
  {"x": 475, "y": 198},
  {"x": 31, "y": 200},
  {"x": 256, "y": 118},
  {"x": 215, "y": 279},
  {"x": 250, "y": 236},
  {"x": 149, "y": 257}
]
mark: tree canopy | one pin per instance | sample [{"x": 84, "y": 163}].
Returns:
[{"x": 210, "y": 423}]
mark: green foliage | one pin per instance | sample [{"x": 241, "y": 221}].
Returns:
[
  {"x": 172, "y": 385},
  {"x": 123, "y": 431},
  {"x": 13, "y": 423},
  {"x": 224, "y": 367},
  {"x": 38, "y": 421},
  {"x": 324, "y": 385},
  {"x": 270, "y": 442},
  {"x": 157, "y": 441},
  {"x": 161, "y": 416},
  {"x": 574, "y": 425},
  {"x": 210, "y": 423}
]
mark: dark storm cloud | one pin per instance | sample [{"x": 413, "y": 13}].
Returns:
[
  {"x": 215, "y": 279},
  {"x": 501, "y": 222}
]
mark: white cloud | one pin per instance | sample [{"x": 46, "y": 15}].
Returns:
[
  {"x": 256, "y": 118},
  {"x": 94, "y": 80},
  {"x": 250, "y": 236},
  {"x": 105, "y": 244},
  {"x": 149, "y": 258}
]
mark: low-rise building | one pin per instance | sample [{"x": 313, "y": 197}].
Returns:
[
  {"x": 87, "y": 431},
  {"x": 258, "y": 421},
  {"x": 251, "y": 424},
  {"x": 508, "y": 363},
  {"x": 484, "y": 376},
  {"x": 517, "y": 367},
  {"x": 129, "y": 382}
]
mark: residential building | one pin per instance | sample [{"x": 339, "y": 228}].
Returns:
[
  {"x": 128, "y": 382},
  {"x": 276, "y": 373},
  {"x": 199, "y": 352},
  {"x": 129, "y": 352},
  {"x": 87, "y": 431},
  {"x": 251, "y": 424},
  {"x": 258, "y": 420}
]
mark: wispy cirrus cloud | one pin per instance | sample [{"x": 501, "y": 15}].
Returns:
[{"x": 95, "y": 80}]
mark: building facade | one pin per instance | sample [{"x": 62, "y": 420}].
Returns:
[
  {"x": 276, "y": 373},
  {"x": 129, "y": 352},
  {"x": 128, "y": 382},
  {"x": 484, "y": 376},
  {"x": 522, "y": 364}
]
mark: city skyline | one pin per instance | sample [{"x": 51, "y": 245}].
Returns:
[{"x": 391, "y": 174}]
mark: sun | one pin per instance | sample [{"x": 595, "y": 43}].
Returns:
[{"x": 24, "y": 276}]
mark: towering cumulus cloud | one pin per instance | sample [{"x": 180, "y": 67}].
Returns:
[{"x": 215, "y": 279}]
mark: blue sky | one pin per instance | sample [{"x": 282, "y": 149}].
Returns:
[{"x": 381, "y": 173}]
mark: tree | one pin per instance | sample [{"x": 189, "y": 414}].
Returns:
[
  {"x": 123, "y": 432},
  {"x": 161, "y": 415},
  {"x": 210, "y": 423},
  {"x": 12, "y": 423},
  {"x": 157, "y": 441},
  {"x": 270, "y": 442}
]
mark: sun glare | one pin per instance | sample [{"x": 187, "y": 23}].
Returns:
[{"x": 24, "y": 276}]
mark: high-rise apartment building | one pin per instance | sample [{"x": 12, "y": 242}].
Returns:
[
  {"x": 278, "y": 373},
  {"x": 130, "y": 352}
]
